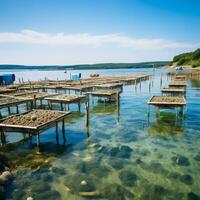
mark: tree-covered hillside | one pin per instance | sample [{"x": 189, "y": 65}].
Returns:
[
  {"x": 191, "y": 58},
  {"x": 87, "y": 66}
]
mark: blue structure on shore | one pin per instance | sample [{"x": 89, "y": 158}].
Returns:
[
  {"x": 75, "y": 76},
  {"x": 7, "y": 79}
]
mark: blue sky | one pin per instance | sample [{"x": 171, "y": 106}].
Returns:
[{"x": 39, "y": 32}]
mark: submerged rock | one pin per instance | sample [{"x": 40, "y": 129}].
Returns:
[
  {"x": 93, "y": 168},
  {"x": 79, "y": 183},
  {"x": 58, "y": 170},
  {"x": 180, "y": 160},
  {"x": 154, "y": 167},
  {"x": 114, "y": 151},
  {"x": 197, "y": 157},
  {"x": 50, "y": 195},
  {"x": 143, "y": 152},
  {"x": 40, "y": 187},
  {"x": 152, "y": 192},
  {"x": 173, "y": 175},
  {"x": 157, "y": 167},
  {"x": 193, "y": 196},
  {"x": 117, "y": 163},
  {"x": 5, "y": 177},
  {"x": 128, "y": 178},
  {"x": 121, "y": 152},
  {"x": 117, "y": 192},
  {"x": 160, "y": 190},
  {"x": 29, "y": 198},
  {"x": 187, "y": 179}
]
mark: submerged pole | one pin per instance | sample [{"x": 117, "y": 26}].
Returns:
[
  {"x": 38, "y": 138},
  {"x": 57, "y": 138},
  {"x": 63, "y": 131}
]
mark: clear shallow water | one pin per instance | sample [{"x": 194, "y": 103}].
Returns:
[{"x": 122, "y": 159}]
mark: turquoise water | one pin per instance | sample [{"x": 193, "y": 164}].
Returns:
[{"x": 124, "y": 158}]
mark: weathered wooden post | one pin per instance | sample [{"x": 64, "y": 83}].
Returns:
[
  {"x": 79, "y": 106},
  {"x": 38, "y": 138},
  {"x": 57, "y": 137},
  {"x": 148, "y": 113},
  {"x": 9, "y": 112},
  {"x": 3, "y": 137},
  {"x": 87, "y": 112},
  {"x": 61, "y": 106},
  {"x": 149, "y": 85},
  {"x": 118, "y": 106},
  {"x": 161, "y": 81},
  {"x": 34, "y": 101},
  {"x": 17, "y": 109},
  {"x": 63, "y": 131}
]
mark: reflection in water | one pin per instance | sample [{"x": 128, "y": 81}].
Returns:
[
  {"x": 167, "y": 124},
  {"x": 105, "y": 109},
  {"x": 195, "y": 82}
]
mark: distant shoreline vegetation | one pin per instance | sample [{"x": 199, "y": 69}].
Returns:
[
  {"x": 86, "y": 66},
  {"x": 190, "y": 58}
]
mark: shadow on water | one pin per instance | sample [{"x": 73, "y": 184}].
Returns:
[
  {"x": 166, "y": 124},
  {"x": 24, "y": 154},
  {"x": 195, "y": 82}
]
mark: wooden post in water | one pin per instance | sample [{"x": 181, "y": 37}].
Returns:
[
  {"x": 87, "y": 112},
  {"x": 63, "y": 131},
  {"x": 79, "y": 106},
  {"x": 118, "y": 106},
  {"x": 34, "y": 101},
  {"x": 3, "y": 137},
  {"x": 61, "y": 106},
  {"x": 149, "y": 85},
  {"x": 49, "y": 105},
  {"x": 38, "y": 138},
  {"x": 9, "y": 110},
  {"x": 148, "y": 113},
  {"x": 57, "y": 138},
  {"x": 161, "y": 81},
  {"x": 17, "y": 109}
]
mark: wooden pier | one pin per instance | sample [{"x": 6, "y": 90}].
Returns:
[{"x": 33, "y": 123}]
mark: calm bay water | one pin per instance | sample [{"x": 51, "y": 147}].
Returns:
[{"x": 123, "y": 159}]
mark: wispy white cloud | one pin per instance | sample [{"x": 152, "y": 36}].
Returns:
[{"x": 33, "y": 37}]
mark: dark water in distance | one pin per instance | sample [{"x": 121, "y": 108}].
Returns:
[{"x": 123, "y": 159}]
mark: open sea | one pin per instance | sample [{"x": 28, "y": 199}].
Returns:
[{"x": 124, "y": 157}]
